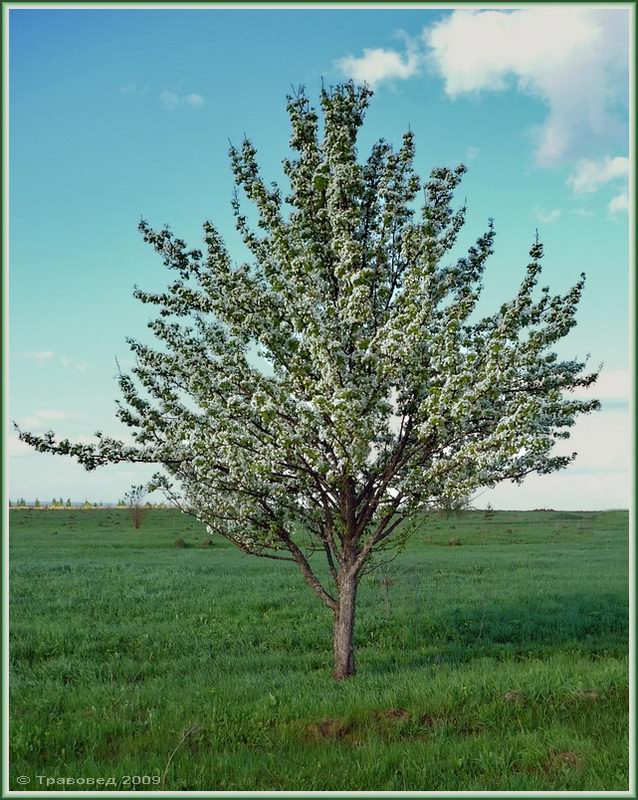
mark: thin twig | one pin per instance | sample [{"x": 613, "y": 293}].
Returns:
[
  {"x": 189, "y": 732},
  {"x": 478, "y": 638},
  {"x": 128, "y": 686}
]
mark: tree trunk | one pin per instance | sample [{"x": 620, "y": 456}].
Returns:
[{"x": 344, "y": 666}]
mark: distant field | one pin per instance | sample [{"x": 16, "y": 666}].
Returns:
[{"x": 497, "y": 664}]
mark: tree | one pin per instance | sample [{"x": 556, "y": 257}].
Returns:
[
  {"x": 449, "y": 506},
  {"x": 134, "y": 499},
  {"x": 318, "y": 399},
  {"x": 68, "y": 503}
]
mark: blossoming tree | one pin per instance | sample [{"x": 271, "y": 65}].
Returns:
[{"x": 312, "y": 403}]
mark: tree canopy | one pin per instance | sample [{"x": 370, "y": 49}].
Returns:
[{"x": 321, "y": 395}]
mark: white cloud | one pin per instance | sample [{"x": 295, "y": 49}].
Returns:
[
  {"x": 471, "y": 153},
  {"x": 602, "y": 441},
  {"x": 590, "y": 175},
  {"x": 18, "y": 448},
  {"x": 133, "y": 88},
  {"x": 193, "y": 100},
  {"x": 41, "y": 418},
  {"x": 568, "y": 490},
  {"x": 34, "y": 477},
  {"x": 378, "y": 64},
  {"x": 171, "y": 100},
  {"x": 612, "y": 384},
  {"x": 572, "y": 58},
  {"x": 547, "y": 217},
  {"x": 71, "y": 363},
  {"x": 86, "y": 438},
  {"x": 619, "y": 204},
  {"x": 599, "y": 478},
  {"x": 39, "y": 355}
]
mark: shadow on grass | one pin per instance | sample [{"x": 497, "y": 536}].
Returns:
[{"x": 594, "y": 626}]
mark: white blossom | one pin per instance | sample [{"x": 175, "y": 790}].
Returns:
[{"x": 382, "y": 395}]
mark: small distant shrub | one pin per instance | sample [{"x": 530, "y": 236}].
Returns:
[
  {"x": 454, "y": 541},
  {"x": 452, "y": 506},
  {"x": 489, "y": 511},
  {"x": 207, "y": 542},
  {"x": 180, "y": 543},
  {"x": 385, "y": 581},
  {"x": 134, "y": 499}
]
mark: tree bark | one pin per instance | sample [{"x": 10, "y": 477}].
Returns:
[{"x": 344, "y": 664}]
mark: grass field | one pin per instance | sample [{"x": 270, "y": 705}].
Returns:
[{"x": 497, "y": 664}]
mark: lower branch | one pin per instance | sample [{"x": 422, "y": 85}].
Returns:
[{"x": 306, "y": 571}]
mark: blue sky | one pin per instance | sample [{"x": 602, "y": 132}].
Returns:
[{"x": 118, "y": 114}]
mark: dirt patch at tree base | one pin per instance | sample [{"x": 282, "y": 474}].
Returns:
[{"x": 388, "y": 723}]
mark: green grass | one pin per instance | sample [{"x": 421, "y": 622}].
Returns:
[{"x": 499, "y": 664}]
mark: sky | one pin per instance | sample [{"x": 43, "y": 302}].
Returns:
[{"x": 120, "y": 114}]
